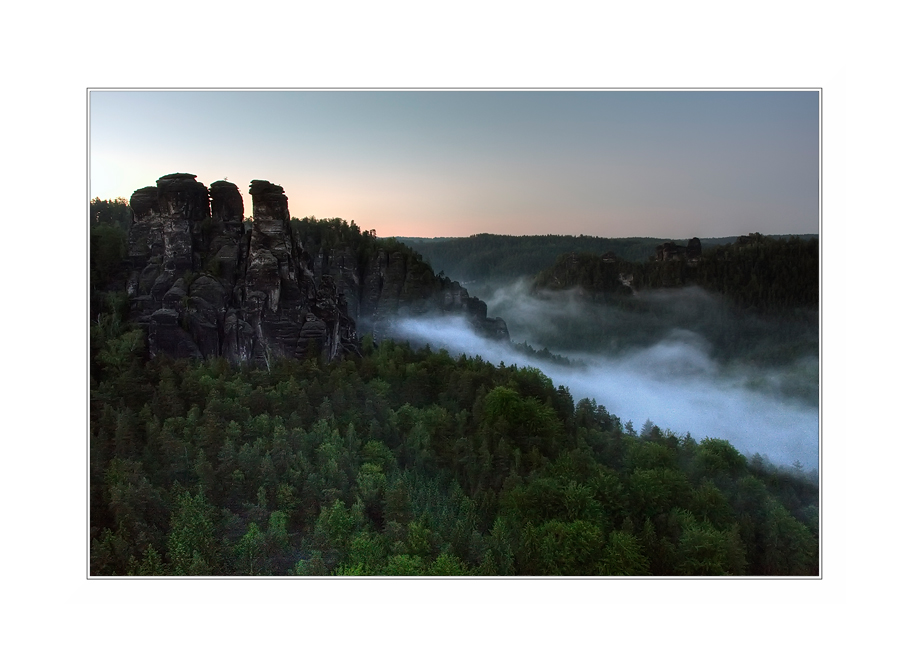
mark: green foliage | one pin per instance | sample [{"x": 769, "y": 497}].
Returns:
[
  {"x": 334, "y": 527},
  {"x": 277, "y": 536},
  {"x": 654, "y": 492},
  {"x": 151, "y": 565},
  {"x": 107, "y": 251},
  {"x": 367, "y": 555},
  {"x": 447, "y": 565},
  {"x": 358, "y": 570},
  {"x": 705, "y": 550},
  {"x": 494, "y": 473},
  {"x": 624, "y": 556},
  {"x": 502, "y": 542},
  {"x": 122, "y": 353},
  {"x": 790, "y": 548},
  {"x": 524, "y": 420},
  {"x": 404, "y": 565},
  {"x": 112, "y": 553},
  {"x": 718, "y": 457},
  {"x": 250, "y": 551},
  {"x": 110, "y": 213},
  {"x": 547, "y": 498},
  {"x": 559, "y": 548},
  {"x": 191, "y": 544},
  {"x": 314, "y": 566}
]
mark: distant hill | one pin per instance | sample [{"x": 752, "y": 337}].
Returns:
[
  {"x": 767, "y": 274},
  {"x": 495, "y": 257}
]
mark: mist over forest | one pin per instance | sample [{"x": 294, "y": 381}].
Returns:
[
  {"x": 684, "y": 359},
  {"x": 601, "y": 417}
]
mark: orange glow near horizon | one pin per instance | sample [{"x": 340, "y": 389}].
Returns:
[{"x": 429, "y": 164}]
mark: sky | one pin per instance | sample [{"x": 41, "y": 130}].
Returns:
[{"x": 424, "y": 163}]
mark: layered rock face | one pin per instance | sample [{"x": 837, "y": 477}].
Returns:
[
  {"x": 396, "y": 285},
  {"x": 161, "y": 256},
  {"x": 204, "y": 286}
]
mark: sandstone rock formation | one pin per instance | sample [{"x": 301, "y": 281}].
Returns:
[
  {"x": 203, "y": 285},
  {"x": 693, "y": 251},
  {"x": 668, "y": 252}
]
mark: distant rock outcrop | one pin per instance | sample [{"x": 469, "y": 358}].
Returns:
[
  {"x": 669, "y": 251},
  {"x": 203, "y": 285}
]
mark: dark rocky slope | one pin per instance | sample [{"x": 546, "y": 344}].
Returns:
[{"x": 203, "y": 285}]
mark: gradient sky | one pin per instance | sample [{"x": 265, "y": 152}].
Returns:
[{"x": 453, "y": 163}]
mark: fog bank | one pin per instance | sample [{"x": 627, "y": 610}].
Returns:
[{"x": 674, "y": 382}]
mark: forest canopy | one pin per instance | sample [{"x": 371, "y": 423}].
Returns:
[{"x": 403, "y": 462}]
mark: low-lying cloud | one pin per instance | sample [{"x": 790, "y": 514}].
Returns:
[{"x": 675, "y": 382}]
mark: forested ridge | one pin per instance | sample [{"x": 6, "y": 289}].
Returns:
[
  {"x": 497, "y": 257},
  {"x": 757, "y": 272},
  {"x": 405, "y": 462}
]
